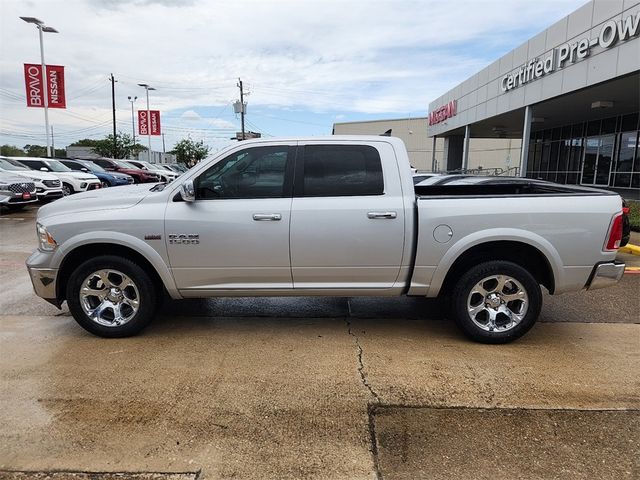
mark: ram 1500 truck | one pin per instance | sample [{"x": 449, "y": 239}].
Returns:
[{"x": 326, "y": 216}]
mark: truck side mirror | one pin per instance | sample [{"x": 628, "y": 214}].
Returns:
[
  {"x": 187, "y": 191},
  {"x": 44, "y": 169}
]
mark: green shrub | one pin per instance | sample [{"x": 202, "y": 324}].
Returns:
[{"x": 634, "y": 215}]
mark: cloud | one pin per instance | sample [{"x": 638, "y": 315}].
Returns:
[
  {"x": 191, "y": 116},
  {"x": 362, "y": 57},
  {"x": 118, "y": 4}
]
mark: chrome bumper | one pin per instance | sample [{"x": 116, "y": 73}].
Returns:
[
  {"x": 44, "y": 283},
  {"x": 605, "y": 275}
]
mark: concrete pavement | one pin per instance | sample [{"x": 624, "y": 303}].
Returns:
[{"x": 316, "y": 388}]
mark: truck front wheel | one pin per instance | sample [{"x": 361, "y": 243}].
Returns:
[
  {"x": 496, "y": 302},
  {"x": 111, "y": 296}
]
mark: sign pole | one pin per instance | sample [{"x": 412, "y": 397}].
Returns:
[
  {"x": 148, "y": 126},
  {"x": 45, "y": 92}
]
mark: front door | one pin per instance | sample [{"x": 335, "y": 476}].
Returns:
[
  {"x": 235, "y": 235},
  {"x": 598, "y": 158},
  {"x": 347, "y": 218}
]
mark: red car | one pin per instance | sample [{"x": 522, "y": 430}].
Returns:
[{"x": 139, "y": 175}]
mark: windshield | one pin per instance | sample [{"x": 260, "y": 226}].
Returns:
[
  {"x": 93, "y": 167},
  {"x": 122, "y": 164},
  {"x": 7, "y": 164},
  {"x": 56, "y": 166}
]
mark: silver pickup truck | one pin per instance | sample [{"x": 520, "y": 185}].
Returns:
[{"x": 326, "y": 216}]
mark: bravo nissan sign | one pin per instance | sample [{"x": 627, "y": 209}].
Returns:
[
  {"x": 146, "y": 127},
  {"x": 54, "y": 87},
  {"x": 610, "y": 33}
]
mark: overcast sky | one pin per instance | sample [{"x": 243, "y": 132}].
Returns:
[{"x": 306, "y": 63}]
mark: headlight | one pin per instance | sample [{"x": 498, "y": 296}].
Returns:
[
  {"x": 4, "y": 186},
  {"x": 47, "y": 243}
]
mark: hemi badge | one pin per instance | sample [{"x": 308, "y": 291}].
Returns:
[{"x": 153, "y": 237}]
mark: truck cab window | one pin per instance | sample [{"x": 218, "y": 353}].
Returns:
[
  {"x": 252, "y": 173},
  {"x": 341, "y": 170}
]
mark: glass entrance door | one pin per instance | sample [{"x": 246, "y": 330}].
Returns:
[{"x": 598, "y": 157}]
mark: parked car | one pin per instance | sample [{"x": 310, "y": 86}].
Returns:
[
  {"x": 165, "y": 175},
  {"x": 72, "y": 182},
  {"x": 15, "y": 191},
  {"x": 177, "y": 167},
  {"x": 48, "y": 187},
  {"x": 107, "y": 179},
  {"x": 169, "y": 168},
  {"x": 350, "y": 224},
  {"x": 138, "y": 175}
]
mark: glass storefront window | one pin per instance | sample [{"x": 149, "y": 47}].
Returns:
[{"x": 626, "y": 155}]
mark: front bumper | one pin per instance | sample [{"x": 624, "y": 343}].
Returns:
[
  {"x": 48, "y": 194},
  {"x": 43, "y": 279},
  {"x": 605, "y": 274}
]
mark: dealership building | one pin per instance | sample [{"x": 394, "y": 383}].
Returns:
[{"x": 569, "y": 98}]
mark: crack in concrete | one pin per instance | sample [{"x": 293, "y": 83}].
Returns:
[
  {"x": 371, "y": 405},
  {"x": 363, "y": 376}
]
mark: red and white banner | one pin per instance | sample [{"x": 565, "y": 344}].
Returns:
[
  {"x": 33, "y": 84},
  {"x": 55, "y": 86},
  {"x": 143, "y": 123}
]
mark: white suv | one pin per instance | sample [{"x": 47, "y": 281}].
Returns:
[
  {"x": 72, "y": 182},
  {"x": 165, "y": 175},
  {"x": 48, "y": 186}
]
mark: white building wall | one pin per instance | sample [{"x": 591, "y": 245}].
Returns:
[{"x": 483, "y": 152}]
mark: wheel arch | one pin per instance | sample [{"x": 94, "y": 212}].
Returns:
[
  {"x": 85, "y": 250},
  {"x": 530, "y": 257}
]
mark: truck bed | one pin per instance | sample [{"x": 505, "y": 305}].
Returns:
[{"x": 475, "y": 186}]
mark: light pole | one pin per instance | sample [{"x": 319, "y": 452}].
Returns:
[
  {"x": 43, "y": 28},
  {"x": 133, "y": 122},
  {"x": 147, "y": 87}
]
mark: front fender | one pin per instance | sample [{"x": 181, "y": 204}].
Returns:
[
  {"x": 122, "y": 239},
  {"x": 495, "y": 235}
]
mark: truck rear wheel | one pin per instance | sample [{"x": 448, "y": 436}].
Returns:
[
  {"x": 111, "y": 296},
  {"x": 496, "y": 302}
]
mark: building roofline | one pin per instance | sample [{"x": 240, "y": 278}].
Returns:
[{"x": 382, "y": 120}]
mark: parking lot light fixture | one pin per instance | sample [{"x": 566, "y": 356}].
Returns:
[{"x": 43, "y": 28}]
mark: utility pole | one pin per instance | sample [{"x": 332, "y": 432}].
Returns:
[
  {"x": 163, "y": 149},
  {"x": 113, "y": 107},
  {"x": 53, "y": 144},
  {"x": 241, "y": 106}
]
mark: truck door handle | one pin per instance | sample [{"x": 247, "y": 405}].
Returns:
[
  {"x": 381, "y": 215},
  {"x": 267, "y": 217}
]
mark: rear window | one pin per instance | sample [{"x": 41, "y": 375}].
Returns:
[{"x": 341, "y": 170}]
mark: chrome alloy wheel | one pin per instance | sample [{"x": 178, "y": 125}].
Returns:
[
  {"x": 497, "y": 303},
  {"x": 109, "y": 297}
]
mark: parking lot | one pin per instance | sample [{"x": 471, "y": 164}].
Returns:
[{"x": 340, "y": 388}]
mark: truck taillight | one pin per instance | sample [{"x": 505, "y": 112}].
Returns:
[{"x": 615, "y": 233}]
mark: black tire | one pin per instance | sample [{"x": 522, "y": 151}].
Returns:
[
  {"x": 105, "y": 184},
  {"x": 461, "y": 296},
  {"x": 67, "y": 189},
  {"x": 146, "y": 287}
]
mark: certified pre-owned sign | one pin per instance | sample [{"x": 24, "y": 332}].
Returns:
[{"x": 610, "y": 33}]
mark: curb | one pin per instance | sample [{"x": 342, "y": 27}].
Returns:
[
  {"x": 632, "y": 270},
  {"x": 630, "y": 248}
]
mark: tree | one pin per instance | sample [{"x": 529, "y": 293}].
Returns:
[
  {"x": 11, "y": 151},
  {"x": 125, "y": 147},
  {"x": 35, "y": 150},
  {"x": 190, "y": 152}
]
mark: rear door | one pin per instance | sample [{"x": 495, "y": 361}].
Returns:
[
  {"x": 235, "y": 236},
  {"x": 347, "y": 217}
]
